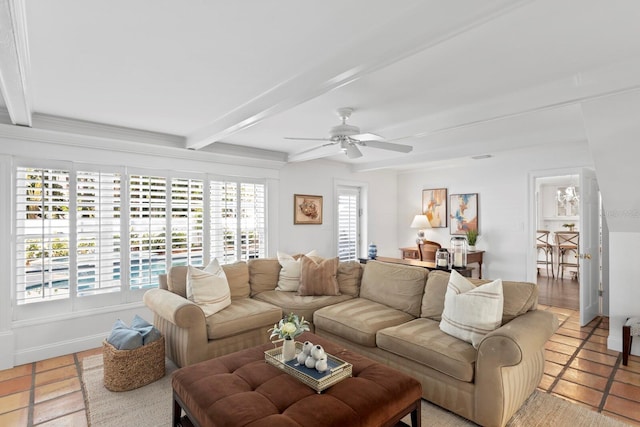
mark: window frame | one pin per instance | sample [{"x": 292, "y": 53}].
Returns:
[{"x": 23, "y": 311}]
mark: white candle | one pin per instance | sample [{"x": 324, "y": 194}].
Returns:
[
  {"x": 457, "y": 260},
  {"x": 442, "y": 262}
]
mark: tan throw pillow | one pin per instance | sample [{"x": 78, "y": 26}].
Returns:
[
  {"x": 208, "y": 288},
  {"x": 289, "y": 278},
  {"x": 471, "y": 312},
  {"x": 318, "y": 278}
]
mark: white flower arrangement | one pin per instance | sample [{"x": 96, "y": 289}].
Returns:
[{"x": 289, "y": 327}]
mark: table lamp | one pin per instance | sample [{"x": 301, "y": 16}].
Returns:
[{"x": 420, "y": 222}]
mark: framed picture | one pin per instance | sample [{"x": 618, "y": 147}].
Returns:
[
  {"x": 464, "y": 213},
  {"x": 307, "y": 209},
  {"x": 434, "y": 206}
]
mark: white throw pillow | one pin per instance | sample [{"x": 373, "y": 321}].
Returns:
[
  {"x": 208, "y": 288},
  {"x": 471, "y": 312},
  {"x": 289, "y": 279}
]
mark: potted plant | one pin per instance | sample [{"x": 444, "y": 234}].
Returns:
[
  {"x": 472, "y": 237},
  {"x": 570, "y": 226}
]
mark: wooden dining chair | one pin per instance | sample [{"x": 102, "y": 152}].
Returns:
[
  {"x": 427, "y": 250},
  {"x": 568, "y": 243},
  {"x": 542, "y": 244}
]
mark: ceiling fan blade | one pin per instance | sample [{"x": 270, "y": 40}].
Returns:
[
  {"x": 387, "y": 146},
  {"x": 366, "y": 137},
  {"x": 324, "y": 150},
  {"x": 307, "y": 139}
]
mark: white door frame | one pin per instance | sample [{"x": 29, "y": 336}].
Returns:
[{"x": 532, "y": 271}]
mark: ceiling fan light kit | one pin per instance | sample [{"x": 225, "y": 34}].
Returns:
[{"x": 347, "y": 137}]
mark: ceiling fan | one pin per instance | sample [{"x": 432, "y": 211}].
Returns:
[{"x": 345, "y": 138}]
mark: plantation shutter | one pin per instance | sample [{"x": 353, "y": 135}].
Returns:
[
  {"x": 42, "y": 234},
  {"x": 98, "y": 250},
  {"x": 238, "y": 221},
  {"x": 147, "y": 223},
  {"x": 252, "y": 225},
  {"x": 187, "y": 221},
  {"x": 348, "y": 223}
]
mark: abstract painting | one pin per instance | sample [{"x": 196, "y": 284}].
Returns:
[
  {"x": 434, "y": 206},
  {"x": 464, "y": 213}
]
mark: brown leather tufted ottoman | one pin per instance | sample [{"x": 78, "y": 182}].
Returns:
[{"x": 241, "y": 389}]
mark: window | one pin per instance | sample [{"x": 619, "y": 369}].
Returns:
[
  {"x": 148, "y": 229},
  {"x": 238, "y": 230},
  {"x": 98, "y": 203},
  {"x": 73, "y": 240},
  {"x": 187, "y": 221},
  {"x": 42, "y": 234},
  {"x": 348, "y": 223}
]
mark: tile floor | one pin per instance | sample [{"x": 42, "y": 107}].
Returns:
[{"x": 578, "y": 368}]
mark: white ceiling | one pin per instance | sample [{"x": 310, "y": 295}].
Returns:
[{"x": 451, "y": 78}]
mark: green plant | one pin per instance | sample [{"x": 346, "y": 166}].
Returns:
[
  {"x": 472, "y": 237},
  {"x": 289, "y": 327}
]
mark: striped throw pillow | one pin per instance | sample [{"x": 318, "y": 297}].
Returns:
[{"x": 471, "y": 312}]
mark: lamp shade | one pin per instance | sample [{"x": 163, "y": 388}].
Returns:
[{"x": 421, "y": 222}]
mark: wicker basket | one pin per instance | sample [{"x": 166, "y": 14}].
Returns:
[{"x": 129, "y": 369}]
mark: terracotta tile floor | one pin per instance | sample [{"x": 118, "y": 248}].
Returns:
[{"x": 578, "y": 368}]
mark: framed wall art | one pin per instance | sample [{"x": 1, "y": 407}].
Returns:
[
  {"x": 434, "y": 206},
  {"x": 464, "y": 213},
  {"x": 307, "y": 209}
]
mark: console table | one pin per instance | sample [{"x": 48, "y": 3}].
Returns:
[
  {"x": 466, "y": 272},
  {"x": 472, "y": 257}
]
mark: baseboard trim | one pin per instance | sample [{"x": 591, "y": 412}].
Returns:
[
  {"x": 61, "y": 348},
  {"x": 7, "y": 344}
]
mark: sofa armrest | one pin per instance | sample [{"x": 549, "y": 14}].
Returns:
[
  {"x": 510, "y": 365},
  {"x": 179, "y": 311},
  {"x": 182, "y": 323}
]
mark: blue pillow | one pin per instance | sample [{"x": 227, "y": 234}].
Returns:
[
  {"x": 124, "y": 338},
  {"x": 149, "y": 332}
]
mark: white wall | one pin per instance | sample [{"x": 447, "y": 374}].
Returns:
[
  {"x": 502, "y": 184},
  {"x": 320, "y": 177},
  {"x": 613, "y": 130}
]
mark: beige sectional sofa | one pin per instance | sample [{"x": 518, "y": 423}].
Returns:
[{"x": 388, "y": 312}]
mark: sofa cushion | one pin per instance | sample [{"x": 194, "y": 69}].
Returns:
[
  {"x": 358, "y": 320},
  {"x": 289, "y": 277},
  {"x": 519, "y": 297},
  {"x": 238, "y": 279},
  {"x": 208, "y": 288},
  {"x": 241, "y": 316},
  {"x": 318, "y": 277},
  {"x": 177, "y": 280},
  {"x": 291, "y": 302},
  {"x": 395, "y": 285},
  {"x": 263, "y": 274},
  {"x": 433, "y": 298},
  {"x": 471, "y": 312},
  {"x": 349, "y": 277},
  {"x": 422, "y": 341}
]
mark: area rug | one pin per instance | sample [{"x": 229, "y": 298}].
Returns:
[{"x": 150, "y": 406}]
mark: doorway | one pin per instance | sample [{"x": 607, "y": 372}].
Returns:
[
  {"x": 561, "y": 200},
  {"x": 557, "y": 211}
]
